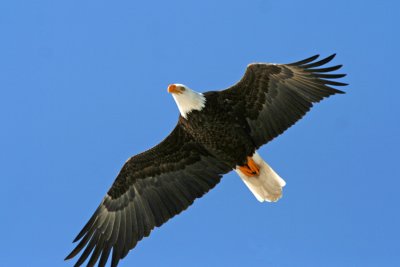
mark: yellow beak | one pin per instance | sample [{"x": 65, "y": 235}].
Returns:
[{"x": 173, "y": 89}]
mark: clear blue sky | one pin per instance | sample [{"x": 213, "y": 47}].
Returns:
[{"x": 83, "y": 87}]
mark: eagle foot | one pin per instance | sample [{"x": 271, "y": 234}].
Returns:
[{"x": 250, "y": 168}]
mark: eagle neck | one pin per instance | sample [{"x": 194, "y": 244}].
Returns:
[{"x": 188, "y": 103}]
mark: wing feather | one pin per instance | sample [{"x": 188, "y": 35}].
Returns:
[
  {"x": 151, "y": 188},
  {"x": 304, "y": 61},
  {"x": 105, "y": 254},
  {"x": 273, "y": 97},
  {"x": 97, "y": 251}
]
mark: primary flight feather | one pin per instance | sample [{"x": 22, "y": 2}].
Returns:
[{"x": 216, "y": 132}]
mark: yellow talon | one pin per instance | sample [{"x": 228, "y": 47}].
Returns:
[{"x": 250, "y": 168}]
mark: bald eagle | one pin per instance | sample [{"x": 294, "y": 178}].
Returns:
[{"x": 217, "y": 132}]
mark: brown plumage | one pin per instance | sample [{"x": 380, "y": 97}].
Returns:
[{"x": 208, "y": 141}]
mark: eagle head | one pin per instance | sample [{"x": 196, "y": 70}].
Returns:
[{"x": 186, "y": 99}]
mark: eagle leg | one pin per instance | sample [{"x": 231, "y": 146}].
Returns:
[{"x": 250, "y": 168}]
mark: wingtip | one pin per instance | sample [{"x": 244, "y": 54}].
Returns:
[
  {"x": 329, "y": 58},
  {"x": 323, "y": 70},
  {"x": 70, "y": 256},
  {"x": 314, "y": 57},
  {"x": 77, "y": 238},
  {"x": 337, "y": 91},
  {"x": 304, "y": 61}
]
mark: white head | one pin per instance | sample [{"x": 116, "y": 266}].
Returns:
[{"x": 186, "y": 99}]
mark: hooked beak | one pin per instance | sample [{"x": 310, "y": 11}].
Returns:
[{"x": 173, "y": 89}]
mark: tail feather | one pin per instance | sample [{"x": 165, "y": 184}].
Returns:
[{"x": 267, "y": 186}]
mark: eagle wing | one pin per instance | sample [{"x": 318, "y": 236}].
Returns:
[
  {"x": 151, "y": 188},
  {"x": 272, "y": 97}
]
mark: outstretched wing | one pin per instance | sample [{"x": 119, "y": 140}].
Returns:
[
  {"x": 151, "y": 188},
  {"x": 272, "y": 97}
]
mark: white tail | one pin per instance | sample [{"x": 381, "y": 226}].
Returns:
[{"x": 267, "y": 186}]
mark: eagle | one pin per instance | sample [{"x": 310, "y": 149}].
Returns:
[{"x": 217, "y": 132}]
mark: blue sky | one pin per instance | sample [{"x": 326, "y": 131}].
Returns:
[{"x": 83, "y": 87}]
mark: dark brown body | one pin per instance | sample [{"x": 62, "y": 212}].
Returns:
[{"x": 222, "y": 132}]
